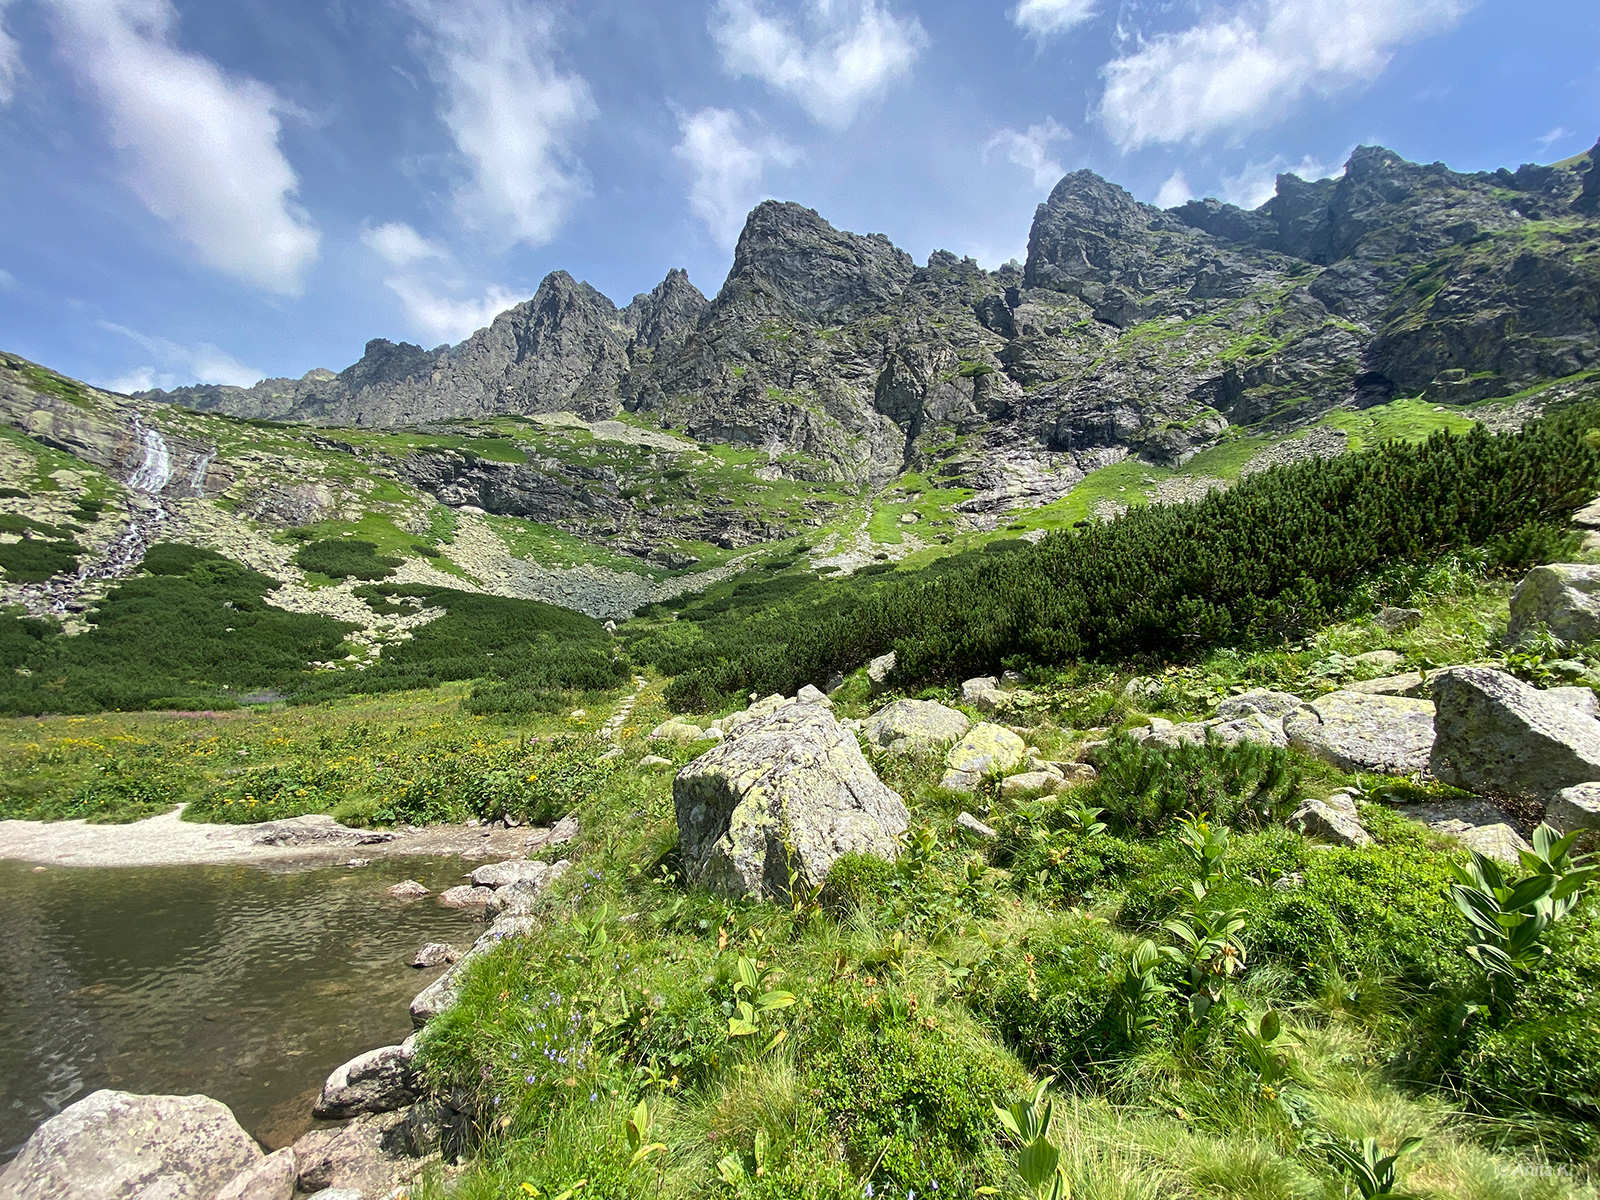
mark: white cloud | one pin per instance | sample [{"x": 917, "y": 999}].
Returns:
[
  {"x": 726, "y": 164},
  {"x": 841, "y": 53},
  {"x": 1554, "y": 136},
  {"x": 1045, "y": 18},
  {"x": 200, "y": 146},
  {"x": 513, "y": 114},
  {"x": 1257, "y": 182},
  {"x": 425, "y": 290},
  {"x": 444, "y": 318},
  {"x": 1244, "y": 69},
  {"x": 176, "y": 364},
  {"x": 1030, "y": 150},
  {"x": 10, "y": 59},
  {"x": 399, "y": 245},
  {"x": 8, "y": 281},
  {"x": 1174, "y": 191}
]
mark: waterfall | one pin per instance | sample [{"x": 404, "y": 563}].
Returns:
[
  {"x": 197, "y": 482},
  {"x": 155, "y": 472}
]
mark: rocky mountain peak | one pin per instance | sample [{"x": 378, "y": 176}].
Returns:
[
  {"x": 793, "y": 258},
  {"x": 1091, "y": 233},
  {"x": 667, "y": 314}
]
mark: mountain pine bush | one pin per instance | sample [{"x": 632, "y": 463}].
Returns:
[{"x": 1264, "y": 562}]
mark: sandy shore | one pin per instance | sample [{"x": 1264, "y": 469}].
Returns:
[{"x": 169, "y": 841}]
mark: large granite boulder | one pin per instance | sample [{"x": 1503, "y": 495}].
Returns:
[
  {"x": 381, "y": 1080},
  {"x": 1563, "y": 597},
  {"x": 1498, "y": 735},
  {"x": 118, "y": 1146},
  {"x": 1359, "y": 732},
  {"x": 915, "y": 727},
  {"x": 791, "y": 791}
]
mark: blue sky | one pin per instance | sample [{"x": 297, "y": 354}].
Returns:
[{"x": 214, "y": 190}]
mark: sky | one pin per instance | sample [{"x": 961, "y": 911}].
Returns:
[{"x": 222, "y": 190}]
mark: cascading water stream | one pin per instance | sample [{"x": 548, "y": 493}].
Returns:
[{"x": 155, "y": 472}]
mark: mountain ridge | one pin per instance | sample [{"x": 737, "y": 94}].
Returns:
[{"x": 1129, "y": 330}]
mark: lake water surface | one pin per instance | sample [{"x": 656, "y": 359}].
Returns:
[{"x": 242, "y": 984}]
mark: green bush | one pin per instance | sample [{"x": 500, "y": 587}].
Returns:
[
  {"x": 858, "y": 879},
  {"x": 193, "y": 632},
  {"x": 535, "y": 783},
  {"x": 1144, "y": 788},
  {"x": 1054, "y": 997},
  {"x": 345, "y": 558},
  {"x": 904, "y": 1092}
]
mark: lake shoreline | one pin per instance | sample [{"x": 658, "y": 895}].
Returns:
[{"x": 168, "y": 841}]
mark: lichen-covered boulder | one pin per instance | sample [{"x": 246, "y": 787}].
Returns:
[
  {"x": 792, "y": 791},
  {"x": 915, "y": 727},
  {"x": 879, "y": 670},
  {"x": 1476, "y": 824},
  {"x": 985, "y": 750},
  {"x": 1360, "y": 732},
  {"x": 1501, "y": 736},
  {"x": 119, "y": 1146},
  {"x": 1563, "y": 597},
  {"x": 1330, "y": 822},
  {"x": 1574, "y": 809}
]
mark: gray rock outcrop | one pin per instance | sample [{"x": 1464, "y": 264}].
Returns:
[
  {"x": 1575, "y": 808},
  {"x": 791, "y": 791},
  {"x": 915, "y": 727},
  {"x": 1499, "y": 736},
  {"x": 1268, "y": 703},
  {"x": 118, "y": 1146},
  {"x": 985, "y": 750},
  {"x": 1476, "y": 824},
  {"x": 1562, "y": 597},
  {"x": 879, "y": 670},
  {"x": 1360, "y": 732}
]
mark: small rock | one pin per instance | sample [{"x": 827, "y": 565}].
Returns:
[
  {"x": 835, "y": 682},
  {"x": 564, "y": 831},
  {"x": 1029, "y": 783},
  {"x": 678, "y": 731},
  {"x": 435, "y": 998},
  {"x": 516, "y": 870},
  {"x": 435, "y": 954},
  {"x": 1073, "y": 774},
  {"x": 960, "y": 781},
  {"x": 1575, "y": 808},
  {"x": 1397, "y": 620},
  {"x": 378, "y": 1081},
  {"x": 409, "y": 889},
  {"x": 983, "y": 694},
  {"x": 1409, "y": 683},
  {"x": 974, "y": 826},
  {"x": 1476, "y": 824},
  {"x": 578, "y": 714},
  {"x": 273, "y": 1178},
  {"x": 1562, "y": 597},
  {"x": 1381, "y": 660},
  {"x": 1010, "y": 681},
  {"x": 1292, "y": 882},
  {"x": 350, "y": 1159},
  {"x": 879, "y": 670},
  {"x": 1262, "y": 701},
  {"x": 987, "y": 750},
  {"x": 466, "y": 896},
  {"x": 812, "y": 695},
  {"x": 650, "y": 761},
  {"x": 1315, "y": 819}
]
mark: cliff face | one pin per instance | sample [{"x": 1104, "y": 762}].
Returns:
[{"x": 1129, "y": 330}]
